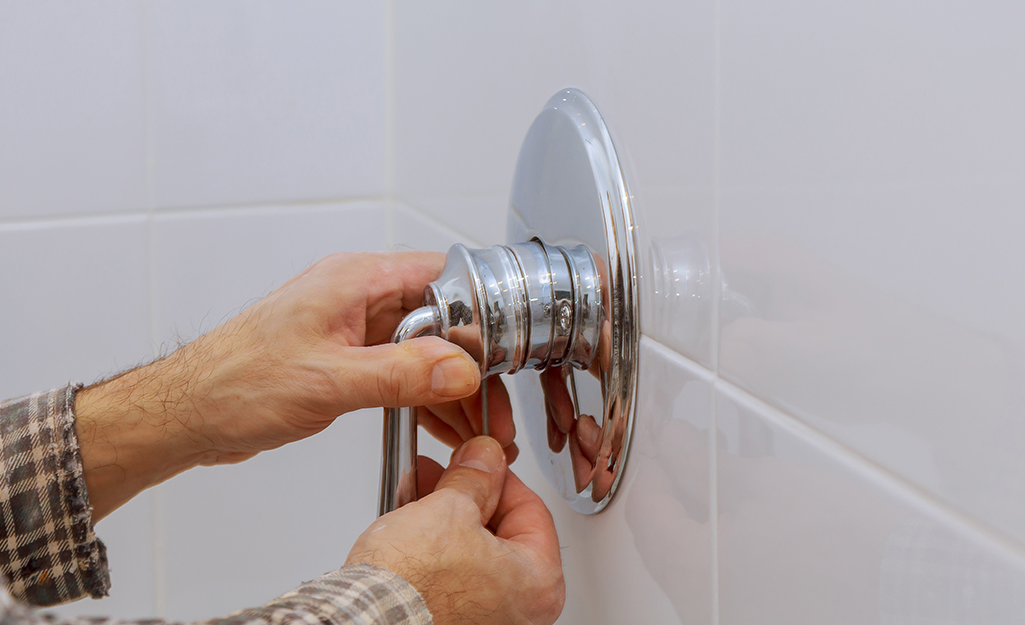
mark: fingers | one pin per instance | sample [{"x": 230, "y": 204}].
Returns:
[
  {"x": 439, "y": 429},
  {"x": 463, "y": 417},
  {"x": 558, "y": 403},
  {"x": 512, "y": 452},
  {"x": 522, "y": 522},
  {"x": 396, "y": 286},
  {"x": 478, "y": 471},
  {"x": 411, "y": 270},
  {"x": 427, "y": 370},
  {"x": 428, "y": 472},
  {"x": 522, "y": 517},
  {"x": 500, "y": 417},
  {"x": 395, "y": 278}
]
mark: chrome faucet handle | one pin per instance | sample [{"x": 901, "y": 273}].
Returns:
[{"x": 510, "y": 307}]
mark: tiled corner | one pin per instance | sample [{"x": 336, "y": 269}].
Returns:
[
  {"x": 646, "y": 558},
  {"x": 72, "y": 109},
  {"x": 75, "y": 302},
  {"x": 412, "y": 230},
  {"x": 870, "y": 226},
  {"x": 468, "y": 87},
  {"x": 810, "y": 533},
  {"x": 477, "y": 219},
  {"x": 265, "y": 101},
  {"x": 258, "y": 529},
  {"x": 210, "y": 265}
]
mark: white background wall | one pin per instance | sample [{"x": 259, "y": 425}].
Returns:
[{"x": 832, "y": 436}]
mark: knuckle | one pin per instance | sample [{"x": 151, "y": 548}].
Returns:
[
  {"x": 469, "y": 495},
  {"x": 551, "y": 597},
  {"x": 416, "y": 371},
  {"x": 391, "y": 382}
]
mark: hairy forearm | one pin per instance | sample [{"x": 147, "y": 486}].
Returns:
[{"x": 134, "y": 430}]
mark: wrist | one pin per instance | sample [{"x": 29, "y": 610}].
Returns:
[{"x": 133, "y": 433}]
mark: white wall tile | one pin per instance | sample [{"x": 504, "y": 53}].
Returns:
[
  {"x": 75, "y": 305},
  {"x": 809, "y": 534},
  {"x": 75, "y": 302},
  {"x": 413, "y": 230},
  {"x": 468, "y": 85},
  {"x": 870, "y": 217},
  {"x": 72, "y": 111},
  {"x": 238, "y": 536},
  {"x": 266, "y": 101},
  {"x": 210, "y": 265},
  {"x": 646, "y": 558}
]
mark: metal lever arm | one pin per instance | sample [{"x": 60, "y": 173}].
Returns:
[{"x": 398, "y": 463}]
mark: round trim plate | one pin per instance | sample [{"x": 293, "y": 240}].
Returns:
[{"x": 569, "y": 189}]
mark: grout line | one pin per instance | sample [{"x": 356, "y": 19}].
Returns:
[
  {"x": 692, "y": 366},
  {"x": 389, "y": 227},
  {"x": 159, "y": 553},
  {"x": 36, "y": 220},
  {"x": 716, "y": 302},
  {"x": 389, "y": 122},
  {"x": 156, "y": 505},
  {"x": 134, "y": 216},
  {"x": 109, "y": 216},
  {"x": 159, "y": 561},
  {"x": 389, "y": 98},
  {"x": 713, "y": 500},
  {"x": 881, "y": 478},
  {"x": 438, "y": 224},
  {"x": 716, "y": 188}
]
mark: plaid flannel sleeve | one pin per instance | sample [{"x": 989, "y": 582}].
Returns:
[
  {"x": 353, "y": 595},
  {"x": 49, "y": 553}
]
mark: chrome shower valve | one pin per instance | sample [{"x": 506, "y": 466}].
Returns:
[
  {"x": 559, "y": 299},
  {"x": 521, "y": 305},
  {"x": 510, "y": 307}
]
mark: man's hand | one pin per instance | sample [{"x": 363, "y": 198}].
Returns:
[
  {"x": 481, "y": 548},
  {"x": 284, "y": 369}
]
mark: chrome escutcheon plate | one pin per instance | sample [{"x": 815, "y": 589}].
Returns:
[{"x": 569, "y": 189}]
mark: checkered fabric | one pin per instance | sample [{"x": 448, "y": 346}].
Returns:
[
  {"x": 354, "y": 595},
  {"x": 49, "y": 552}
]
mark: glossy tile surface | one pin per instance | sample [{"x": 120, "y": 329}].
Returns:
[
  {"x": 807, "y": 533},
  {"x": 647, "y": 558},
  {"x": 266, "y": 101},
  {"x": 210, "y": 266},
  {"x": 413, "y": 230},
  {"x": 258, "y": 529},
  {"x": 72, "y": 108},
  {"x": 870, "y": 226},
  {"x": 467, "y": 89},
  {"x": 76, "y": 291}
]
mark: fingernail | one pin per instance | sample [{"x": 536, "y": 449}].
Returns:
[
  {"x": 482, "y": 453},
  {"x": 453, "y": 377}
]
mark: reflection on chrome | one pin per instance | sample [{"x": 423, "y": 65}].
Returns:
[{"x": 526, "y": 305}]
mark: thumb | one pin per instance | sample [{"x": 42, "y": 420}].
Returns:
[
  {"x": 478, "y": 471},
  {"x": 417, "y": 372}
]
